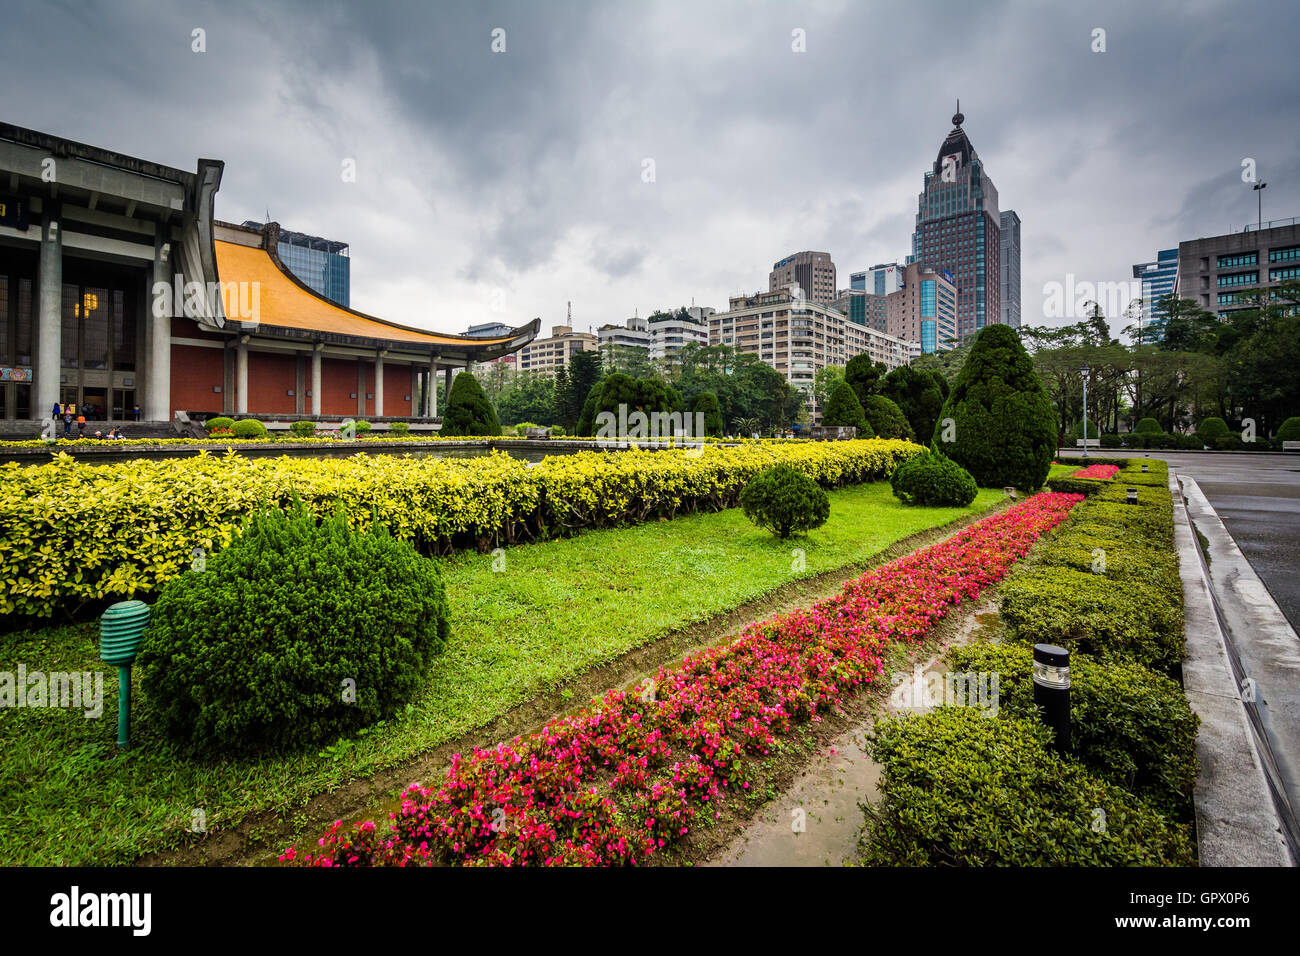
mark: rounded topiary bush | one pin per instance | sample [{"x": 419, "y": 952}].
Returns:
[
  {"x": 1076, "y": 432},
  {"x": 1148, "y": 426},
  {"x": 400, "y": 428},
  {"x": 363, "y": 427},
  {"x": 303, "y": 429},
  {"x": 1290, "y": 430},
  {"x": 296, "y": 633},
  {"x": 1212, "y": 429},
  {"x": 886, "y": 418},
  {"x": 1003, "y": 428},
  {"x": 843, "y": 408},
  {"x": 1184, "y": 442},
  {"x": 218, "y": 423},
  {"x": 785, "y": 501},
  {"x": 249, "y": 428},
  {"x": 931, "y": 479}
]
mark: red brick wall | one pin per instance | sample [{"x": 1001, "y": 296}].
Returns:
[
  {"x": 397, "y": 385},
  {"x": 195, "y": 371},
  {"x": 271, "y": 375},
  {"x": 338, "y": 381}
]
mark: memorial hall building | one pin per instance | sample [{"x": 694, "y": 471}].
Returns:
[{"x": 119, "y": 288}]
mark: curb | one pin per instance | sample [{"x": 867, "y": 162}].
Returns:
[{"x": 1238, "y": 822}]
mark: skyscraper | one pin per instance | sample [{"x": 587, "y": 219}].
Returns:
[
  {"x": 958, "y": 230},
  {"x": 1157, "y": 281},
  {"x": 878, "y": 280},
  {"x": 1009, "y": 226},
  {"x": 814, "y": 272}
]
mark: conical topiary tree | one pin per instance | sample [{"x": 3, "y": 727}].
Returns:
[
  {"x": 469, "y": 411},
  {"x": 845, "y": 409},
  {"x": 1003, "y": 428},
  {"x": 886, "y": 418}
]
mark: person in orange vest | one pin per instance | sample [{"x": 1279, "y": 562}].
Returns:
[{"x": 81, "y": 424}]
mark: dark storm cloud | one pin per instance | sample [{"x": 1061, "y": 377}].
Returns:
[{"x": 522, "y": 172}]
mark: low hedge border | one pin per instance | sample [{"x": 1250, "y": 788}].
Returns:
[
  {"x": 1107, "y": 582},
  {"x": 72, "y": 532}
]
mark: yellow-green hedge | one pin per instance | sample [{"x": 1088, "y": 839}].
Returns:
[{"x": 73, "y": 532}]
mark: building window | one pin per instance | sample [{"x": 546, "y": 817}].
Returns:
[
  {"x": 1289, "y": 254},
  {"x": 1238, "y": 259},
  {"x": 1277, "y": 275},
  {"x": 1241, "y": 278}
]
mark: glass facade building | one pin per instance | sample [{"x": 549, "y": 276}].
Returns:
[{"x": 1157, "y": 279}]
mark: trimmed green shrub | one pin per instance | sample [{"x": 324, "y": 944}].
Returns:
[
  {"x": 1229, "y": 443},
  {"x": 707, "y": 403},
  {"x": 1076, "y": 433},
  {"x": 249, "y": 428},
  {"x": 864, "y": 376},
  {"x": 959, "y": 789},
  {"x": 1128, "y": 724},
  {"x": 302, "y": 429},
  {"x": 886, "y": 419},
  {"x": 469, "y": 411},
  {"x": 785, "y": 501},
  {"x": 556, "y": 431},
  {"x": 1005, "y": 428},
  {"x": 263, "y": 649},
  {"x": 1112, "y": 441},
  {"x": 931, "y": 479},
  {"x": 363, "y": 427},
  {"x": 1290, "y": 430},
  {"x": 400, "y": 428},
  {"x": 1182, "y": 442},
  {"x": 1211, "y": 429},
  {"x": 1148, "y": 426},
  {"x": 920, "y": 394},
  {"x": 221, "y": 421},
  {"x": 843, "y": 408}
]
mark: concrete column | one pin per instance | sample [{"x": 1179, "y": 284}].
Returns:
[
  {"x": 431, "y": 386},
  {"x": 241, "y": 376},
  {"x": 315, "y": 379},
  {"x": 158, "y": 377},
  {"x": 49, "y": 326},
  {"x": 446, "y": 391},
  {"x": 379, "y": 383}
]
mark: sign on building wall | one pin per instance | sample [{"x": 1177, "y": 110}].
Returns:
[
  {"x": 15, "y": 375},
  {"x": 13, "y": 212}
]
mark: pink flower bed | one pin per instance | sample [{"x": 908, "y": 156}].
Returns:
[
  {"x": 628, "y": 776},
  {"x": 1100, "y": 472}
]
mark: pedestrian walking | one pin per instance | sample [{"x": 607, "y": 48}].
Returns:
[
  {"x": 67, "y": 421},
  {"x": 81, "y": 423}
]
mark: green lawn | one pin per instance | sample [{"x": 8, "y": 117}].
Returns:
[{"x": 555, "y": 610}]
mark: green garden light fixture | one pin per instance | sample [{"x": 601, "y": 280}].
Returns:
[{"x": 121, "y": 631}]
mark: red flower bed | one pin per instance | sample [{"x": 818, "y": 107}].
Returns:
[
  {"x": 1100, "y": 472},
  {"x": 626, "y": 777}
]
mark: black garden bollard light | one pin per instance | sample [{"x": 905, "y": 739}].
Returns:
[
  {"x": 1052, "y": 691},
  {"x": 1132, "y": 496},
  {"x": 1145, "y": 467}
]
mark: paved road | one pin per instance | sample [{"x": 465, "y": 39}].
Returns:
[{"x": 1258, "y": 498}]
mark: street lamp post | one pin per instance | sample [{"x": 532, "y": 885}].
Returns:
[
  {"x": 1084, "y": 371},
  {"x": 1259, "y": 197}
]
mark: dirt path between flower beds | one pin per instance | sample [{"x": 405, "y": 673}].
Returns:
[
  {"x": 261, "y": 836},
  {"x": 817, "y": 819}
]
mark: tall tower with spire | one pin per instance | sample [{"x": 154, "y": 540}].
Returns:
[{"x": 958, "y": 230}]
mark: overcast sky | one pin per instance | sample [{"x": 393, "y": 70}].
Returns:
[{"x": 499, "y": 186}]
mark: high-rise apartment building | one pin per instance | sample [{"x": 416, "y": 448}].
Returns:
[
  {"x": 1009, "y": 265},
  {"x": 958, "y": 230},
  {"x": 924, "y": 310},
  {"x": 1212, "y": 271},
  {"x": 879, "y": 280},
  {"x": 1157, "y": 281},
  {"x": 813, "y": 272},
  {"x": 798, "y": 337},
  {"x": 634, "y": 333},
  {"x": 547, "y": 355},
  {"x": 320, "y": 264},
  {"x": 671, "y": 331}
]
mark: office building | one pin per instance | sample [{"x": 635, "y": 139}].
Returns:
[
  {"x": 864, "y": 308},
  {"x": 671, "y": 331},
  {"x": 1009, "y": 266},
  {"x": 879, "y": 280},
  {"x": 1213, "y": 271},
  {"x": 924, "y": 310},
  {"x": 1156, "y": 280},
  {"x": 958, "y": 230},
  {"x": 813, "y": 272}
]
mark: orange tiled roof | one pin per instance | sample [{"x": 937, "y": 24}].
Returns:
[{"x": 285, "y": 303}]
